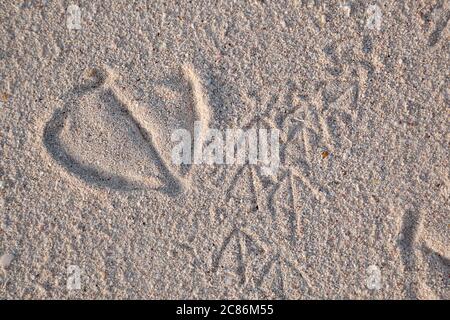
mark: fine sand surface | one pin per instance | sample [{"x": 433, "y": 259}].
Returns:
[{"x": 358, "y": 208}]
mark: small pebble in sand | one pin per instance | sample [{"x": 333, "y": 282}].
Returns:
[
  {"x": 5, "y": 260},
  {"x": 2, "y": 184},
  {"x": 325, "y": 154},
  {"x": 4, "y": 97},
  {"x": 322, "y": 20}
]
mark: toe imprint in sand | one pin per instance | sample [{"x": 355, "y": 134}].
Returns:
[
  {"x": 416, "y": 249},
  {"x": 434, "y": 20}
]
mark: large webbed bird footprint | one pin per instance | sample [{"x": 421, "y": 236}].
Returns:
[{"x": 106, "y": 139}]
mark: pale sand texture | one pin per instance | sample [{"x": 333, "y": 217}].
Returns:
[{"x": 86, "y": 177}]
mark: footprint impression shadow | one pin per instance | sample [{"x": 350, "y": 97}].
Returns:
[{"x": 154, "y": 168}]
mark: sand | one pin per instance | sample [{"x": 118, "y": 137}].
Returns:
[{"x": 92, "y": 207}]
